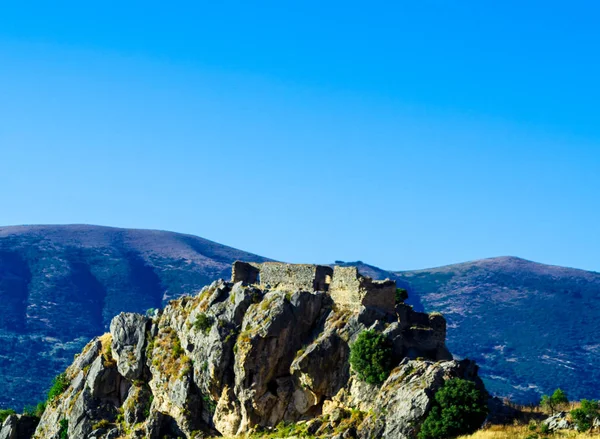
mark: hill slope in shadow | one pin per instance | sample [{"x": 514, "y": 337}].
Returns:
[{"x": 61, "y": 285}]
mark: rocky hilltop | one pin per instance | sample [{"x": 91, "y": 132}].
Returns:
[{"x": 270, "y": 345}]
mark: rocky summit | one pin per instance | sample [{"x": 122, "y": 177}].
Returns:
[{"x": 271, "y": 345}]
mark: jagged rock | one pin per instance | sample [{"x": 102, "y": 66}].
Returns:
[
  {"x": 18, "y": 427},
  {"x": 407, "y": 396},
  {"x": 9, "y": 427},
  {"x": 558, "y": 421},
  {"x": 237, "y": 357},
  {"x": 136, "y": 407},
  {"x": 88, "y": 355},
  {"x": 128, "y": 333},
  {"x": 272, "y": 333},
  {"x": 104, "y": 382},
  {"x": 322, "y": 368}
]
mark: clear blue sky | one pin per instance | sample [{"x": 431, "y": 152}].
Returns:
[{"x": 405, "y": 134}]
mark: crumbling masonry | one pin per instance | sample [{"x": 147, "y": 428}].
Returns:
[{"x": 346, "y": 286}]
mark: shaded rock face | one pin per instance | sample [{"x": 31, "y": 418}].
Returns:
[
  {"x": 18, "y": 427},
  {"x": 237, "y": 357}
]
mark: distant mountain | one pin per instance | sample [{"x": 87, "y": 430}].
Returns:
[
  {"x": 531, "y": 327},
  {"x": 61, "y": 285}
]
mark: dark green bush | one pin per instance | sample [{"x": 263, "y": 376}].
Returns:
[
  {"x": 585, "y": 415},
  {"x": 371, "y": 357},
  {"x": 5, "y": 414},
  {"x": 553, "y": 402},
  {"x": 459, "y": 409},
  {"x": 203, "y": 323},
  {"x": 401, "y": 295},
  {"x": 63, "y": 432}
]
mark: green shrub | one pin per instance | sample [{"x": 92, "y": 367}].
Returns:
[
  {"x": 555, "y": 401},
  {"x": 203, "y": 323},
  {"x": 5, "y": 414},
  {"x": 401, "y": 295},
  {"x": 209, "y": 404},
  {"x": 371, "y": 357},
  {"x": 63, "y": 431},
  {"x": 59, "y": 385},
  {"x": 459, "y": 409},
  {"x": 176, "y": 349},
  {"x": 585, "y": 415},
  {"x": 148, "y": 406},
  {"x": 545, "y": 429}
]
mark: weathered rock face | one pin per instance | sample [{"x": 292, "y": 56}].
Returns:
[
  {"x": 238, "y": 357},
  {"x": 407, "y": 396},
  {"x": 559, "y": 421},
  {"x": 129, "y": 333}
]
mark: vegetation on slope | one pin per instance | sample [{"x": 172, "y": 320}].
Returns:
[
  {"x": 460, "y": 408},
  {"x": 370, "y": 357}
]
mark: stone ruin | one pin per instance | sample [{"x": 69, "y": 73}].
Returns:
[
  {"x": 422, "y": 335},
  {"x": 346, "y": 286}
]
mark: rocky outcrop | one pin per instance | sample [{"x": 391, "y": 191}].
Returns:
[
  {"x": 239, "y": 357},
  {"x": 18, "y": 427},
  {"x": 129, "y": 332},
  {"x": 558, "y": 421}
]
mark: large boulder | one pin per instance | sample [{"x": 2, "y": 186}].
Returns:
[{"x": 129, "y": 333}]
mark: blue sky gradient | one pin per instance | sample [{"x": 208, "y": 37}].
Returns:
[{"x": 404, "y": 135}]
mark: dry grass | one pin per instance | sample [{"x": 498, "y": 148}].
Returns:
[
  {"x": 522, "y": 432},
  {"x": 106, "y": 342}
]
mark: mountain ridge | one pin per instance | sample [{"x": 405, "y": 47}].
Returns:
[{"x": 62, "y": 284}]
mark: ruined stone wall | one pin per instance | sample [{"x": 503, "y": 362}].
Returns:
[
  {"x": 244, "y": 272},
  {"x": 349, "y": 289},
  {"x": 293, "y": 277}
]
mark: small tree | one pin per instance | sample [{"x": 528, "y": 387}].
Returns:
[
  {"x": 585, "y": 415},
  {"x": 401, "y": 295},
  {"x": 555, "y": 401},
  {"x": 459, "y": 409},
  {"x": 371, "y": 357}
]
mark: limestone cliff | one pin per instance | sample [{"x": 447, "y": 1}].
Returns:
[{"x": 247, "y": 355}]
